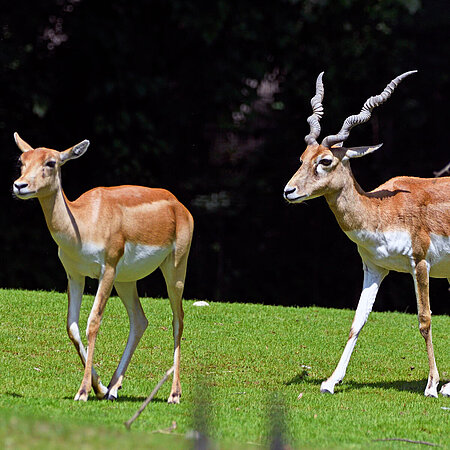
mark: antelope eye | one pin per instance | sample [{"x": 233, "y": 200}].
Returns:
[
  {"x": 325, "y": 162},
  {"x": 50, "y": 164}
]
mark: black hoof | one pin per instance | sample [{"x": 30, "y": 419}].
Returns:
[{"x": 110, "y": 397}]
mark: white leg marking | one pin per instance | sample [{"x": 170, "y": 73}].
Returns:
[
  {"x": 75, "y": 293},
  {"x": 372, "y": 280},
  {"x": 174, "y": 277},
  {"x": 445, "y": 390},
  {"x": 105, "y": 286},
  {"x": 138, "y": 324}
]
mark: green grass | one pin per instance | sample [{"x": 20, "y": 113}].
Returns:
[{"x": 242, "y": 364}]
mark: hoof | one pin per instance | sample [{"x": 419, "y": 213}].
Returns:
[
  {"x": 431, "y": 389},
  {"x": 100, "y": 395},
  {"x": 81, "y": 396},
  {"x": 101, "y": 391},
  {"x": 431, "y": 392},
  {"x": 445, "y": 390},
  {"x": 327, "y": 388},
  {"x": 110, "y": 396},
  {"x": 174, "y": 399}
]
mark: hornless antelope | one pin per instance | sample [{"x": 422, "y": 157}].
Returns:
[
  {"x": 117, "y": 235},
  {"x": 403, "y": 225}
]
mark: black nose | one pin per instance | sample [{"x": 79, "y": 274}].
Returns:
[
  {"x": 288, "y": 191},
  {"x": 20, "y": 186}
]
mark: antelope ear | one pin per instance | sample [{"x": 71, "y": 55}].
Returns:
[
  {"x": 23, "y": 146},
  {"x": 357, "y": 152},
  {"x": 74, "y": 152}
]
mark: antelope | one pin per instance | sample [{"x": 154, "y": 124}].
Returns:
[
  {"x": 117, "y": 235},
  {"x": 403, "y": 225}
]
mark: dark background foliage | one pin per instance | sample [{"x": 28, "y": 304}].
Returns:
[{"x": 210, "y": 100}]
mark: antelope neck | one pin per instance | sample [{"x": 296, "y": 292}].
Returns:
[
  {"x": 348, "y": 204},
  {"x": 58, "y": 215}
]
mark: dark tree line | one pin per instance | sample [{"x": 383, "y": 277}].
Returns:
[{"x": 210, "y": 100}]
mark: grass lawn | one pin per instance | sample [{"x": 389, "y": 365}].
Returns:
[{"x": 243, "y": 368}]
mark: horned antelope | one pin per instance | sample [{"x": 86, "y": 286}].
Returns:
[
  {"x": 117, "y": 235},
  {"x": 403, "y": 225}
]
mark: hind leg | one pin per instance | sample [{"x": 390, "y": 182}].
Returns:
[
  {"x": 174, "y": 275},
  {"x": 421, "y": 282},
  {"x": 445, "y": 389},
  {"x": 138, "y": 324}
]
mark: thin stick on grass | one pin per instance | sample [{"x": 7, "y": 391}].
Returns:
[
  {"x": 149, "y": 398},
  {"x": 407, "y": 440}
]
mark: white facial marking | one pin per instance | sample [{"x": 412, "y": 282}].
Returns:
[{"x": 324, "y": 166}]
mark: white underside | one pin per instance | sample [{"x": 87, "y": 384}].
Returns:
[
  {"x": 392, "y": 250},
  {"x": 438, "y": 256},
  {"x": 137, "y": 262},
  {"x": 140, "y": 260}
]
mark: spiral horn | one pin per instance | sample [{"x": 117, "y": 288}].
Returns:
[
  {"x": 313, "y": 120},
  {"x": 365, "y": 114}
]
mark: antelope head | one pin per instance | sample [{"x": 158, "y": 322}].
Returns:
[
  {"x": 40, "y": 168},
  {"x": 322, "y": 165}
]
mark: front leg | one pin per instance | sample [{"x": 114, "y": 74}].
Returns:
[
  {"x": 75, "y": 295},
  {"x": 373, "y": 276},
  {"x": 103, "y": 292}
]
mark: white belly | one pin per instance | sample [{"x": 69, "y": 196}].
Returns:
[
  {"x": 137, "y": 261},
  {"x": 393, "y": 250},
  {"x": 439, "y": 256}
]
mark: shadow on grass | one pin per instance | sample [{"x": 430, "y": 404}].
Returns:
[
  {"x": 122, "y": 399},
  {"x": 132, "y": 399},
  {"x": 398, "y": 385},
  {"x": 299, "y": 378},
  {"x": 13, "y": 395}
]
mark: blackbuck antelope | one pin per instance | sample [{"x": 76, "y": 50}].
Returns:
[
  {"x": 403, "y": 225},
  {"x": 117, "y": 235}
]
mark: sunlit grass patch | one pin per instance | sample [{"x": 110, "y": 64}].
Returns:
[{"x": 240, "y": 362}]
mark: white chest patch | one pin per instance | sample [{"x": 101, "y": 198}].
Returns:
[
  {"x": 88, "y": 261},
  {"x": 391, "y": 250}
]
